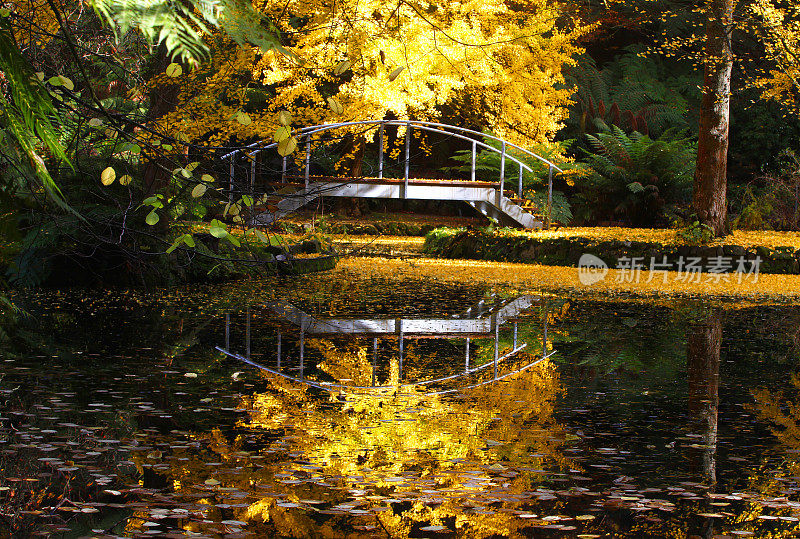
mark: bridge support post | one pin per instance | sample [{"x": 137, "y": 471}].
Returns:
[
  {"x": 308, "y": 160},
  {"x": 474, "y": 152},
  {"x": 520, "y": 182},
  {"x": 544, "y": 334},
  {"x": 279, "y": 350},
  {"x": 549, "y": 197},
  {"x": 466, "y": 358},
  {"x": 253, "y": 174},
  {"x": 496, "y": 343},
  {"x": 408, "y": 158},
  {"x": 380, "y": 151},
  {"x": 515, "y": 335},
  {"x": 401, "y": 338},
  {"x": 374, "y": 359},
  {"x": 502, "y": 177},
  {"x": 302, "y": 350},
  {"x": 230, "y": 183},
  {"x": 283, "y": 170}
]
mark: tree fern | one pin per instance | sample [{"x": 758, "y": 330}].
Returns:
[
  {"x": 180, "y": 26},
  {"x": 28, "y": 116},
  {"x": 632, "y": 92},
  {"x": 636, "y": 179}
]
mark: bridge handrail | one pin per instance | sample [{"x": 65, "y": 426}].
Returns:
[
  {"x": 451, "y": 130},
  {"x": 443, "y": 128}
]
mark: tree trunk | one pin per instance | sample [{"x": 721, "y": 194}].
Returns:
[
  {"x": 710, "y": 179},
  {"x": 703, "y": 356},
  {"x": 163, "y": 99}
]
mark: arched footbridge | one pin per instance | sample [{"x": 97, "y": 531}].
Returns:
[{"x": 288, "y": 183}]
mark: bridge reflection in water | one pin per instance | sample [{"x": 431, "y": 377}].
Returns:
[{"x": 482, "y": 321}]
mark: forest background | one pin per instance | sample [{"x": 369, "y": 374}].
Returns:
[{"x": 115, "y": 112}]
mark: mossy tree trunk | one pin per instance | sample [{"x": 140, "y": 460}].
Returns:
[{"x": 710, "y": 180}]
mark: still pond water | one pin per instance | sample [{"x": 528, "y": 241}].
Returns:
[{"x": 315, "y": 407}]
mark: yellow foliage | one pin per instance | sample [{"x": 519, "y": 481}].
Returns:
[
  {"x": 494, "y": 64},
  {"x": 778, "y": 27},
  {"x": 40, "y": 23}
]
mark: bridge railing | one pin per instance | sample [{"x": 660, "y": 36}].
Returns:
[{"x": 306, "y": 134}]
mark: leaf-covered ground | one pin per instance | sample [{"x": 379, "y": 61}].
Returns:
[{"x": 530, "y": 277}]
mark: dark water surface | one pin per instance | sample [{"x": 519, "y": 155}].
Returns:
[{"x": 315, "y": 408}]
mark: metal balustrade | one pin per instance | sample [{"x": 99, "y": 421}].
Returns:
[{"x": 409, "y": 187}]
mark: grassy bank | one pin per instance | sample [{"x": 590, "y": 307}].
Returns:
[{"x": 776, "y": 252}]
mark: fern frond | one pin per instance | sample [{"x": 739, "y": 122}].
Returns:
[
  {"x": 180, "y": 26},
  {"x": 28, "y": 116}
]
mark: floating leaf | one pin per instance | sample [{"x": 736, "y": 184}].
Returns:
[
  {"x": 191, "y": 375},
  {"x": 287, "y": 146},
  {"x": 188, "y": 239},
  {"x": 396, "y": 73},
  {"x": 341, "y": 67},
  {"x": 125, "y": 180},
  {"x": 95, "y": 122},
  {"x": 174, "y": 70},
  {"x": 335, "y": 106},
  {"x": 108, "y": 176},
  {"x": 243, "y": 118},
  {"x": 285, "y": 118},
  {"x": 199, "y": 190},
  {"x": 152, "y": 218},
  {"x": 208, "y": 178},
  {"x": 211, "y": 482},
  {"x": 247, "y": 200},
  {"x": 54, "y": 81},
  {"x": 234, "y": 209}
]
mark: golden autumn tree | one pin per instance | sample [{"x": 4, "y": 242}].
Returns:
[
  {"x": 494, "y": 65},
  {"x": 778, "y": 27}
]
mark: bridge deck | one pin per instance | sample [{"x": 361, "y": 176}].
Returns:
[{"x": 483, "y": 196}]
